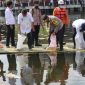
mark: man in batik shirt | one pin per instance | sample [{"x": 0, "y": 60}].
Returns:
[{"x": 56, "y": 25}]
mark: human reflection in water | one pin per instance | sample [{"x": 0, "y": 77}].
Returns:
[
  {"x": 12, "y": 62},
  {"x": 26, "y": 71},
  {"x": 60, "y": 72},
  {"x": 1, "y": 71},
  {"x": 35, "y": 64},
  {"x": 53, "y": 58},
  {"x": 80, "y": 62},
  {"x": 27, "y": 75},
  {"x": 12, "y": 68},
  {"x": 12, "y": 81},
  {"x": 74, "y": 62}
]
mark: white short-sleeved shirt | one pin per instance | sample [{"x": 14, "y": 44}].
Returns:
[
  {"x": 77, "y": 23},
  {"x": 10, "y": 20},
  {"x": 25, "y": 22}
]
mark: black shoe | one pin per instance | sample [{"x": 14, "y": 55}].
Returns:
[
  {"x": 61, "y": 49},
  {"x": 13, "y": 46},
  {"x": 38, "y": 45},
  {"x": 32, "y": 46},
  {"x": 30, "y": 49},
  {"x": 8, "y": 46},
  {"x": 64, "y": 43}
]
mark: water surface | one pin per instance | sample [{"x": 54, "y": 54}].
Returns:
[{"x": 43, "y": 69}]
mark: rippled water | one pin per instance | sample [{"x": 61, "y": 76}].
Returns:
[{"x": 43, "y": 69}]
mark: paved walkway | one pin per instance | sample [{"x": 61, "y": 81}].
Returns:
[{"x": 67, "y": 47}]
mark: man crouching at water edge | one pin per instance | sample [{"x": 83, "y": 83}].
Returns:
[
  {"x": 55, "y": 28},
  {"x": 25, "y": 21},
  {"x": 79, "y": 35}
]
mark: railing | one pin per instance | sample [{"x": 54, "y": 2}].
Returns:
[{"x": 42, "y": 3}]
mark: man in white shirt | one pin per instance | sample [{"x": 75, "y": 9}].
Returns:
[
  {"x": 25, "y": 21},
  {"x": 10, "y": 23},
  {"x": 78, "y": 28}
]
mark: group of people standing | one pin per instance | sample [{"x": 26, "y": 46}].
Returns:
[{"x": 29, "y": 24}]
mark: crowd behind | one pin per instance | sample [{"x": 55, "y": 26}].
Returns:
[{"x": 17, "y": 3}]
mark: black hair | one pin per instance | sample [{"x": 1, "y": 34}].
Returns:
[
  {"x": 36, "y": 7},
  {"x": 45, "y": 17},
  {"x": 9, "y": 3},
  {"x": 24, "y": 11},
  {"x": 82, "y": 27}
]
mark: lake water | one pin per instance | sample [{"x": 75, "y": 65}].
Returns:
[{"x": 66, "y": 68}]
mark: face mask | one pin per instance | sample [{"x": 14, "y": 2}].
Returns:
[{"x": 36, "y": 7}]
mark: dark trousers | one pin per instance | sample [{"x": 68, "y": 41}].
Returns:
[
  {"x": 84, "y": 36},
  {"x": 12, "y": 61},
  {"x": 29, "y": 37},
  {"x": 74, "y": 34},
  {"x": 35, "y": 34},
  {"x": 60, "y": 37},
  {"x": 10, "y": 35}
]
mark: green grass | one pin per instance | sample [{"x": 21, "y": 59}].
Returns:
[{"x": 43, "y": 34}]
